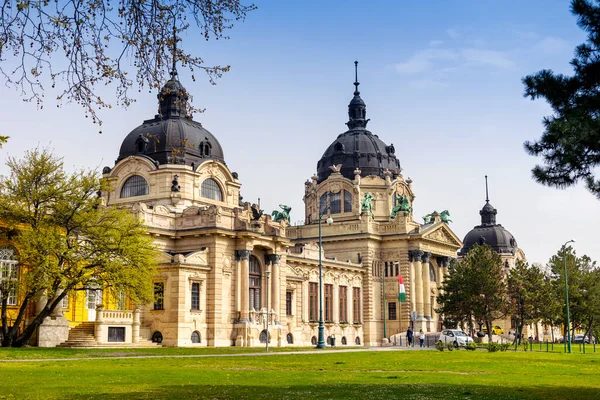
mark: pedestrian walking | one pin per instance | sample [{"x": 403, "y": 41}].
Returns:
[
  {"x": 409, "y": 337},
  {"x": 421, "y": 337}
]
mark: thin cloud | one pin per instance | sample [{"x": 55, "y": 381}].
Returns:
[{"x": 493, "y": 58}]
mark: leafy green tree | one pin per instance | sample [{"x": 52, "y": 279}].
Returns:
[
  {"x": 81, "y": 45},
  {"x": 452, "y": 304},
  {"x": 570, "y": 144},
  {"x": 475, "y": 288},
  {"x": 582, "y": 278},
  {"x": 524, "y": 287},
  {"x": 66, "y": 240}
]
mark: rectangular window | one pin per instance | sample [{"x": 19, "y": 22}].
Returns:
[
  {"x": 313, "y": 301},
  {"x": 195, "y": 296},
  {"x": 65, "y": 301},
  {"x": 121, "y": 301},
  {"x": 159, "y": 295},
  {"x": 397, "y": 267},
  {"x": 347, "y": 201},
  {"x": 328, "y": 302},
  {"x": 356, "y": 305},
  {"x": 343, "y": 304},
  {"x": 392, "y": 311},
  {"x": 8, "y": 280},
  {"x": 288, "y": 303},
  {"x": 336, "y": 202}
]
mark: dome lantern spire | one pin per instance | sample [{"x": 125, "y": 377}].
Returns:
[
  {"x": 173, "y": 97},
  {"x": 357, "y": 109},
  {"x": 488, "y": 212}
]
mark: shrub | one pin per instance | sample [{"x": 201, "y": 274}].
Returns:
[
  {"x": 504, "y": 346},
  {"x": 451, "y": 346},
  {"x": 493, "y": 347},
  {"x": 440, "y": 345},
  {"x": 472, "y": 346},
  {"x": 525, "y": 346}
]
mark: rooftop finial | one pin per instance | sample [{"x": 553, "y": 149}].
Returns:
[
  {"x": 356, "y": 92},
  {"x": 174, "y": 67},
  {"x": 487, "y": 198}
]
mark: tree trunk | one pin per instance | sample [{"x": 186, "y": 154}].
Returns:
[
  {"x": 489, "y": 330},
  {"x": 51, "y": 304}
]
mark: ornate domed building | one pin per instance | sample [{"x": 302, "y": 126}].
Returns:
[
  {"x": 359, "y": 184},
  {"x": 491, "y": 233},
  {"x": 231, "y": 275}
]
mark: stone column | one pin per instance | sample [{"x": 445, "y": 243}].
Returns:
[
  {"x": 426, "y": 285},
  {"x": 135, "y": 327},
  {"x": 243, "y": 260},
  {"x": 304, "y": 300},
  {"x": 274, "y": 260},
  {"x": 411, "y": 281},
  {"x": 418, "y": 254}
]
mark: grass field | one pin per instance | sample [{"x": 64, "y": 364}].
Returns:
[{"x": 331, "y": 375}]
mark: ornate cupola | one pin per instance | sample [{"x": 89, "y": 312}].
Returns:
[
  {"x": 172, "y": 98},
  {"x": 172, "y": 137},
  {"x": 358, "y": 148},
  {"x": 357, "y": 109},
  {"x": 489, "y": 232}
]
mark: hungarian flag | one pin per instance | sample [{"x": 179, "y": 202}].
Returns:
[{"x": 401, "y": 290}]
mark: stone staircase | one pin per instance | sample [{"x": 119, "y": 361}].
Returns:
[{"x": 82, "y": 336}]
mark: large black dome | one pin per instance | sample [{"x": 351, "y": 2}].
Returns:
[
  {"x": 490, "y": 233},
  {"x": 172, "y": 137},
  {"x": 358, "y": 147}
]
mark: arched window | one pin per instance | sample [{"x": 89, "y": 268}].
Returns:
[
  {"x": 157, "y": 337},
  {"x": 211, "y": 190},
  {"x": 290, "y": 338},
  {"x": 255, "y": 283},
  {"x": 263, "y": 337},
  {"x": 196, "y": 337},
  {"x": 431, "y": 272},
  {"x": 313, "y": 340},
  {"x": 357, "y": 340},
  {"x": 333, "y": 203},
  {"x": 205, "y": 148},
  {"x": 134, "y": 186},
  {"x": 344, "y": 341},
  {"x": 9, "y": 273}
]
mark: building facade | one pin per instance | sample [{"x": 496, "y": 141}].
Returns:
[{"x": 231, "y": 275}]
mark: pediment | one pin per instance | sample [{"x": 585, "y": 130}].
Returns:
[{"x": 443, "y": 235}]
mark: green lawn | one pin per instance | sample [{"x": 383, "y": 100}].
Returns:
[{"x": 369, "y": 375}]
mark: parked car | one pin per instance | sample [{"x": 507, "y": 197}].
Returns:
[
  {"x": 496, "y": 330},
  {"x": 579, "y": 338},
  {"x": 456, "y": 336}
]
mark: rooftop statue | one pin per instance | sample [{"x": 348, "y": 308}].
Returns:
[
  {"x": 402, "y": 204},
  {"x": 282, "y": 215},
  {"x": 366, "y": 204},
  {"x": 444, "y": 216},
  {"x": 426, "y": 219}
]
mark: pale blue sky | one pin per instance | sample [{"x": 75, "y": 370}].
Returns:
[{"x": 441, "y": 80}]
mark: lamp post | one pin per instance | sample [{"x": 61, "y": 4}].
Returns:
[
  {"x": 567, "y": 294},
  {"x": 321, "y": 341},
  {"x": 268, "y": 272}
]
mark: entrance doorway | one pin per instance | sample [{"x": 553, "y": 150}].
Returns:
[{"x": 93, "y": 298}]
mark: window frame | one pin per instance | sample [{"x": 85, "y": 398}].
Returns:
[
  {"x": 195, "y": 296},
  {"x": 328, "y": 302},
  {"x": 313, "y": 301},
  {"x": 9, "y": 273},
  {"x": 159, "y": 296},
  {"x": 254, "y": 283},
  {"x": 136, "y": 183},
  {"x": 356, "y": 306},
  {"x": 343, "y": 309},
  {"x": 211, "y": 189}
]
